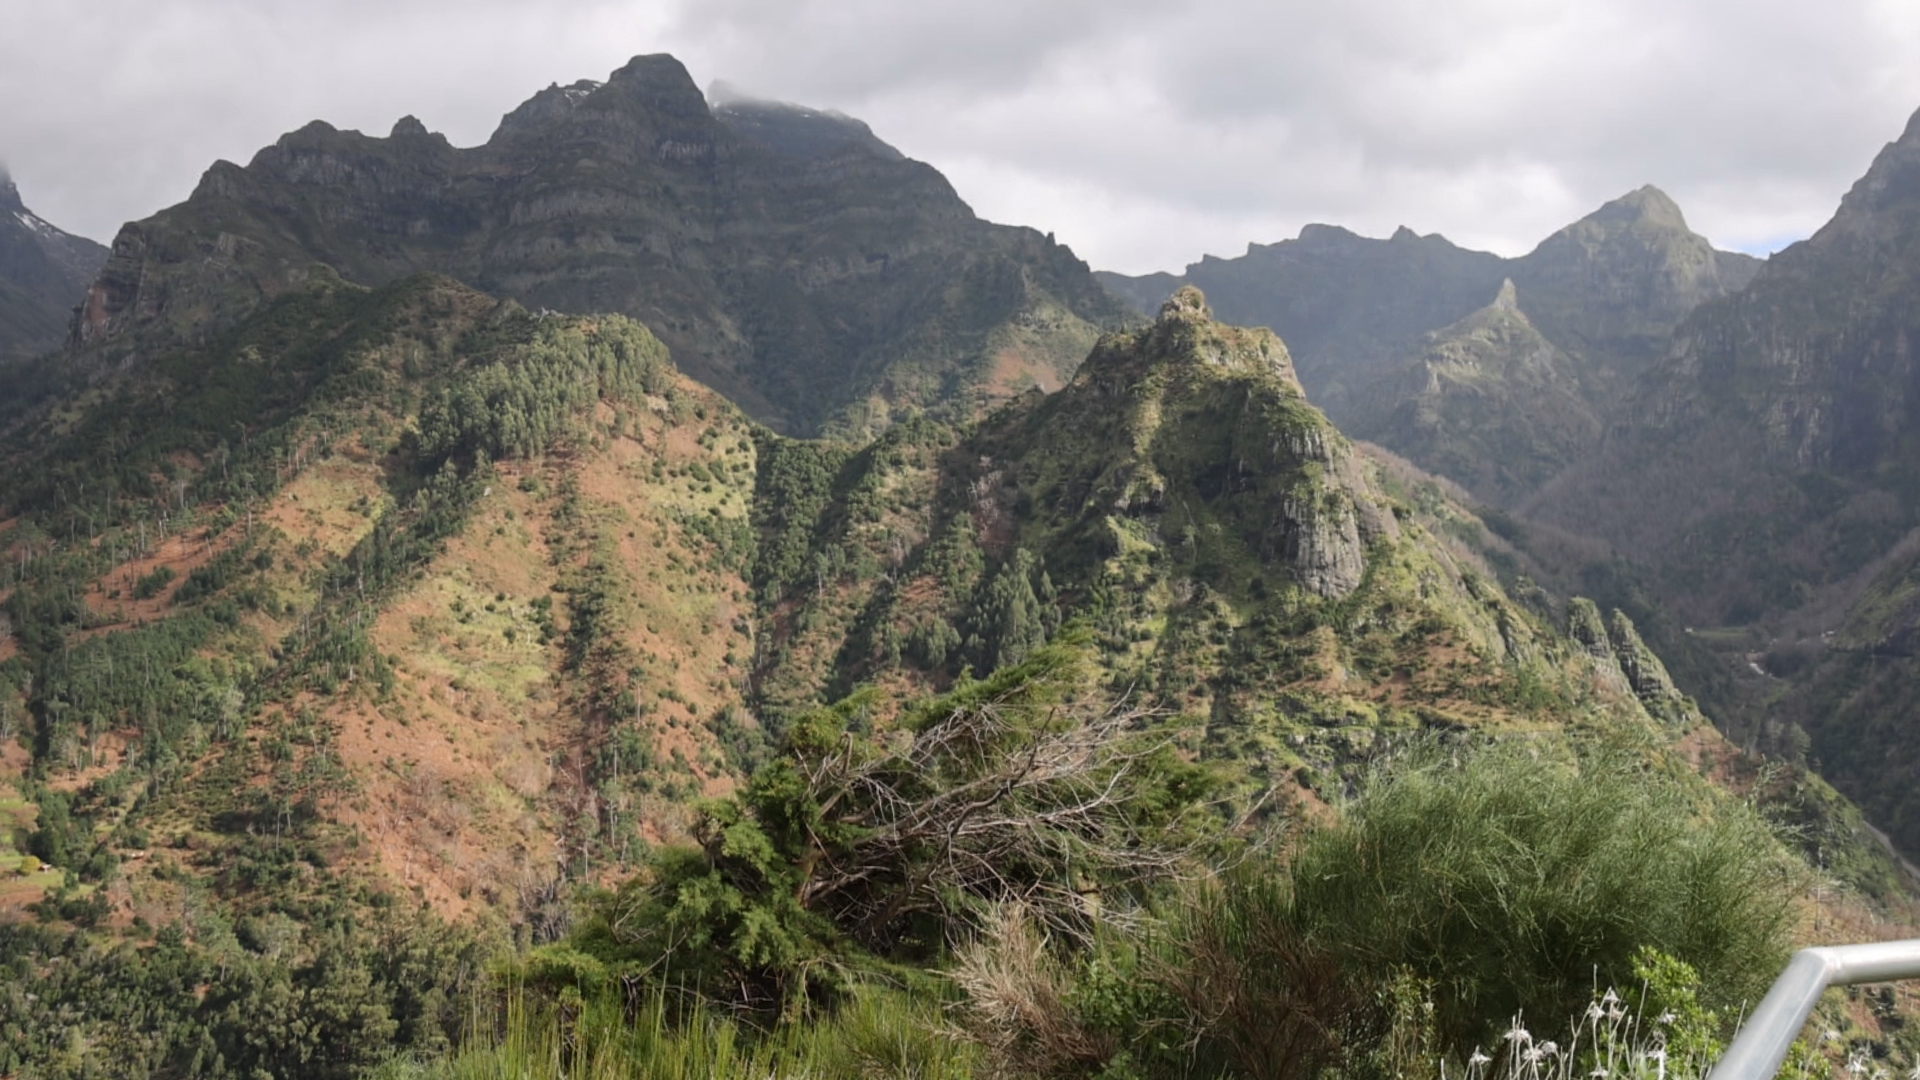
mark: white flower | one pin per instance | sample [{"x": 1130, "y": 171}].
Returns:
[
  {"x": 1831, "y": 1035},
  {"x": 1518, "y": 1034},
  {"x": 1549, "y": 1048},
  {"x": 1479, "y": 1058},
  {"x": 1599, "y": 1073},
  {"x": 1610, "y": 998},
  {"x": 1666, "y": 1017},
  {"x": 1856, "y": 1065}
]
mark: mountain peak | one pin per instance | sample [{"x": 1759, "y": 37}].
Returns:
[
  {"x": 1508, "y": 299},
  {"x": 658, "y": 83},
  {"x": 9, "y": 195},
  {"x": 1893, "y": 178},
  {"x": 1187, "y": 304},
  {"x": 1645, "y": 205}
]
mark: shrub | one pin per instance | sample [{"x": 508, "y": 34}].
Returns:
[
  {"x": 150, "y": 585},
  {"x": 1450, "y": 897},
  {"x": 1512, "y": 882}
]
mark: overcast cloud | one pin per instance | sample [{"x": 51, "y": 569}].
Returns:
[{"x": 1144, "y": 134}]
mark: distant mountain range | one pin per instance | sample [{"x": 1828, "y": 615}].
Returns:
[
  {"x": 1492, "y": 371},
  {"x": 788, "y": 257},
  {"x": 44, "y": 273}
]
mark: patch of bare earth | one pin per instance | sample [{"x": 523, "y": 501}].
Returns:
[{"x": 455, "y": 768}]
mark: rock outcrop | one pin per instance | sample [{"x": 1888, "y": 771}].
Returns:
[
  {"x": 1190, "y": 425},
  {"x": 44, "y": 271}
]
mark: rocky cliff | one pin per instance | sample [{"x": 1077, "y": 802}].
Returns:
[
  {"x": 788, "y": 257},
  {"x": 43, "y": 274}
]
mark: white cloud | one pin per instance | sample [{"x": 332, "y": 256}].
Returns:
[{"x": 1141, "y": 133}]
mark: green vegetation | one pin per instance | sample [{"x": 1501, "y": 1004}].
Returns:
[
  {"x": 1294, "y": 962},
  {"x": 1030, "y": 739},
  {"x": 1459, "y": 891}
]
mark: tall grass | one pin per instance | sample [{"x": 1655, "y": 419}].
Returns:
[{"x": 878, "y": 1033}]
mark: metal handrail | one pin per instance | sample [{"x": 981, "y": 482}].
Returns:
[{"x": 1763, "y": 1043}]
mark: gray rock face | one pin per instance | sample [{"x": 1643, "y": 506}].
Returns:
[
  {"x": 44, "y": 272},
  {"x": 787, "y": 256},
  {"x": 1647, "y": 675},
  {"x": 1322, "y": 546}
]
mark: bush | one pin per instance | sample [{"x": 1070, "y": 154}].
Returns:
[
  {"x": 1451, "y": 896},
  {"x": 1513, "y": 882},
  {"x": 150, "y": 585}
]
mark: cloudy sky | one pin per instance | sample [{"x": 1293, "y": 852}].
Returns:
[{"x": 1142, "y": 133}]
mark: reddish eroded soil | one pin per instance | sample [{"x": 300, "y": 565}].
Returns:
[
  {"x": 685, "y": 617},
  {"x": 182, "y": 553},
  {"x": 109, "y": 753},
  {"x": 471, "y": 772},
  {"x": 1014, "y": 372}
]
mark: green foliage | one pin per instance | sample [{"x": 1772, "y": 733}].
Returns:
[
  {"x": 853, "y": 845},
  {"x": 1510, "y": 880},
  {"x": 198, "y": 1004},
  {"x": 520, "y": 405},
  {"x": 150, "y": 585},
  {"x": 1457, "y": 892},
  {"x": 1013, "y": 615},
  {"x": 792, "y": 490}
]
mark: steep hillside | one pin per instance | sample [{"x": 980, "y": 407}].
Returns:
[
  {"x": 410, "y": 589},
  {"x": 788, "y": 257},
  {"x": 392, "y": 622},
  {"x": 1762, "y": 481},
  {"x": 405, "y": 589},
  {"x": 43, "y": 273},
  {"x": 1237, "y": 559},
  {"x": 1768, "y": 456}
]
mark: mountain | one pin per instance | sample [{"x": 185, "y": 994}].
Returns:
[
  {"x": 43, "y": 273},
  {"x": 1611, "y": 287},
  {"x": 787, "y": 256},
  {"x": 1397, "y": 338},
  {"x": 1348, "y": 306},
  {"x": 1489, "y": 403},
  {"x": 1237, "y": 559},
  {"x": 1759, "y": 482}
]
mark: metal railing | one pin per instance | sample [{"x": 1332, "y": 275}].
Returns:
[{"x": 1763, "y": 1042}]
